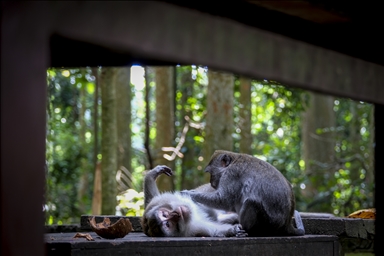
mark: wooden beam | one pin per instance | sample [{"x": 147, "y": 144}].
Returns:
[
  {"x": 24, "y": 59},
  {"x": 144, "y": 30},
  {"x": 166, "y": 32}
]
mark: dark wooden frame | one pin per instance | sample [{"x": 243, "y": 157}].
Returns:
[{"x": 36, "y": 35}]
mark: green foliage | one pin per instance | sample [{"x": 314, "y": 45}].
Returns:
[
  {"x": 191, "y": 104},
  {"x": 64, "y": 152},
  {"x": 130, "y": 203},
  {"x": 354, "y": 150},
  {"x": 276, "y": 127},
  {"x": 276, "y": 130}
]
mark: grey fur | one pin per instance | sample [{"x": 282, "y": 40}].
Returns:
[
  {"x": 182, "y": 217},
  {"x": 255, "y": 190}
]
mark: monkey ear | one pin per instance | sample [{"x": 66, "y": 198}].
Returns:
[{"x": 225, "y": 160}]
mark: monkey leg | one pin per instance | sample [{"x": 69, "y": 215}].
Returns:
[
  {"x": 248, "y": 216},
  {"x": 256, "y": 221}
]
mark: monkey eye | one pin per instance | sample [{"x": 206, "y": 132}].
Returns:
[
  {"x": 163, "y": 214},
  {"x": 167, "y": 224}
]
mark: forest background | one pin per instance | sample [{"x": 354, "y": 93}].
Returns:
[{"x": 107, "y": 125}]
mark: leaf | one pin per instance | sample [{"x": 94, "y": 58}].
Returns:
[
  {"x": 90, "y": 88},
  {"x": 84, "y": 235}
]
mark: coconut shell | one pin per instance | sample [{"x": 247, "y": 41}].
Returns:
[
  {"x": 364, "y": 214},
  {"x": 105, "y": 229}
]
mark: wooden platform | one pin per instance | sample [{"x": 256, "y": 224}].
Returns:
[
  {"x": 325, "y": 235},
  {"x": 137, "y": 243}
]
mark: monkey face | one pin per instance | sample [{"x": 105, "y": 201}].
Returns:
[
  {"x": 166, "y": 220},
  {"x": 216, "y": 167},
  {"x": 173, "y": 221}
]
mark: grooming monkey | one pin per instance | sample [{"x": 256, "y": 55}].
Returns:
[
  {"x": 254, "y": 189},
  {"x": 175, "y": 214}
]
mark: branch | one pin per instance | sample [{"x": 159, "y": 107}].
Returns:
[{"x": 176, "y": 150}]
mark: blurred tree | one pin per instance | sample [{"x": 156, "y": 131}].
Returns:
[
  {"x": 85, "y": 167},
  {"x": 148, "y": 122},
  {"x": 354, "y": 157},
  {"x": 190, "y": 113},
  {"x": 245, "y": 115},
  {"x": 165, "y": 122},
  {"x": 68, "y": 144},
  {"x": 108, "y": 140},
  {"x": 73, "y": 136},
  {"x": 275, "y": 124},
  {"x": 318, "y": 151},
  {"x": 219, "y": 119},
  {"x": 123, "y": 112},
  {"x": 189, "y": 132},
  {"x": 96, "y": 195},
  {"x": 188, "y": 164}
]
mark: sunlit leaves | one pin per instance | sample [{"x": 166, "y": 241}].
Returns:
[
  {"x": 275, "y": 124},
  {"x": 64, "y": 152},
  {"x": 90, "y": 88},
  {"x": 354, "y": 147},
  {"x": 131, "y": 203},
  {"x": 276, "y": 129},
  {"x": 65, "y": 73}
]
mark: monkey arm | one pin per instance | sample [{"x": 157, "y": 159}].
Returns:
[
  {"x": 205, "y": 188},
  {"x": 212, "y": 199},
  {"x": 227, "y": 217},
  {"x": 150, "y": 187}
]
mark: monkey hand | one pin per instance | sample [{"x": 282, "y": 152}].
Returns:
[
  {"x": 240, "y": 232},
  {"x": 160, "y": 169}
]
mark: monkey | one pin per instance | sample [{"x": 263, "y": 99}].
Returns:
[
  {"x": 172, "y": 214},
  {"x": 217, "y": 214},
  {"x": 254, "y": 189}
]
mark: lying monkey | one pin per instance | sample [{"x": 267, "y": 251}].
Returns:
[
  {"x": 255, "y": 190},
  {"x": 174, "y": 214}
]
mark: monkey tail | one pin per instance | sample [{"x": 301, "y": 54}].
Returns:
[{"x": 299, "y": 230}]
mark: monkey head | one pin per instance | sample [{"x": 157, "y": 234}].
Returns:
[
  {"x": 220, "y": 160},
  {"x": 166, "y": 216}
]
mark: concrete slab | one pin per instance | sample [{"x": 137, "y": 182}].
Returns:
[
  {"x": 355, "y": 235},
  {"x": 137, "y": 243}
]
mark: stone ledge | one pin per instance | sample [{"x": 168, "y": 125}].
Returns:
[
  {"x": 137, "y": 243},
  {"x": 62, "y": 228},
  {"x": 349, "y": 227},
  {"x": 355, "y": 235}
]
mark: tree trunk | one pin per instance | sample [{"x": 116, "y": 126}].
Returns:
[
  {"x": 188, "y": 164},
  {"x": 355, "y": 137},
  {"x": 148, "y": 118},
  {"x": 245, "y": 115},
  {"x": 219, "y": 120},
  {"x": 369, "y": 177},
  {"x": 123, "y": 111},
  {"x": 96, "y": 198},
  {"x": 108, "y": 141},
  {"x": 165, "y": 125},
  {"x": 84, "y": 178},
  {"x": 318, "y": 150}
]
